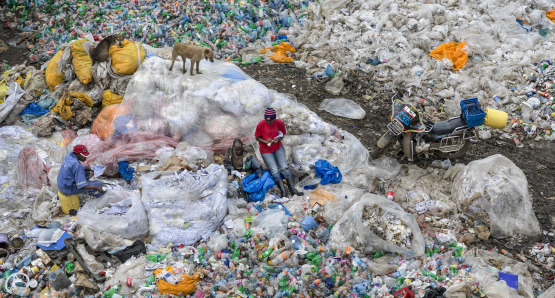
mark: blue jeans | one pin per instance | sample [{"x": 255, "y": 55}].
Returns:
[
  {"x": 277, "y": 160},
  {"x": 73, "y": 190}
]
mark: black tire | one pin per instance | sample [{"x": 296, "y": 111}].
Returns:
[{"x": 456, "y": 154}]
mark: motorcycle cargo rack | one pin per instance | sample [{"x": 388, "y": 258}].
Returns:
[
  {"x": 451, "y": 143},
  {"x": 472, "y": 113},
  {"x": 395, "y": 127}
]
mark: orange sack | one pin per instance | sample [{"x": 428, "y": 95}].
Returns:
[{"x": 103, "y": 125}]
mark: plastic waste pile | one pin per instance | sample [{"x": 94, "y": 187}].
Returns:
[
  {"x": 392, "y": 42},
  {"x": 226, "y": 26}
]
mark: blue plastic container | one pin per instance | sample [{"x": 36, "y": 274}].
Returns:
[
  {"x": 309, "y": 223},
  {"x": 472, "y": 113}
]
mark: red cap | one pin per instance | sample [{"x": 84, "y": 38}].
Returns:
[{"x": 81, "y": 149}]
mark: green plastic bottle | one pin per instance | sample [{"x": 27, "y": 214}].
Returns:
[
  {"x": 156, "y": 257},
  {"x": 70, "y": 267},
  {"x": 112, "y": 291},
  {"x": 378, "y": 254},
  {"x": 267, "y": 253}
]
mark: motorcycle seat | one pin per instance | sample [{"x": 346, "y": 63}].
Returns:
[{"x": 448, "y": 126}]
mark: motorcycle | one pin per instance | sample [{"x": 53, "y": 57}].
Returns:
[{"x": 446, "y": 139}]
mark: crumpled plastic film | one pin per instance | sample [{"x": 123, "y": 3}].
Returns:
[
  {"x": 454, "y": 52},
  {"x": 495, "y": 190},
  {"x": 169, "y": 197},
  {"x": 118, "y": 212},
  {"x": 377, "y": 223}
]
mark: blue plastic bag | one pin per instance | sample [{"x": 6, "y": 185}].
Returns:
[
  {"x": 256, "y": 188},
  {"x": 125, "y": 170},
  {"x": 327, "y": 172}
]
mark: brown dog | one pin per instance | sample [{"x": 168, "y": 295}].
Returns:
[
  {"x": 195, "y": 53},
  {"x": 101, "y": 52}
]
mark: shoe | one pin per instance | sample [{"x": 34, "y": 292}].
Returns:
[
  {"x": 292, "y": 189},
  {"x": 281, "y": 187}
]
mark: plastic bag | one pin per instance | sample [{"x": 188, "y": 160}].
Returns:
[
  {"x": 455, "y": 52},
  {"x": 103, "y": 241},
  {"x": 63, "y": 107},
  {"x": 109, "y": 98},
  {"x": 127, "y": 59},
  {"x": 342, "y": 107},
  {"x": 125, "y": 214},
  {"x": 327, "y": 172},
  {"x": 45, "y": 206},
  {"x": 495, "y": 190},
  {"x": 82, "y": 62},
  {"x": 255, "y": 187},
  {"x": 3, "y": 87},
  {"x": 402, "y": 227},
  {"x": 132, "y": 271},
  {"x": 31, "y": 170},
  {"x": 187, "y": 207},
  {"x": 281, "y": 50},
  {"x": 53, "y": 77},
  {"x": 14, "y": 94},
  {"x": 103, "y": 124},
  {"x": 270, "y": 222},
  {"x": 185, "y": 286},
  {"x": 82, "y": 97}
]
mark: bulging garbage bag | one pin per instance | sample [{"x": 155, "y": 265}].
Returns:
[
  {"x": 119, "y": 212},
  {"x": 376, "y": 223},
  {"x": 495, "y": 190},
  {"x": 187, "y": 207}
]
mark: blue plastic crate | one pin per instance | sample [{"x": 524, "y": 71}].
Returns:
[{"x": 472, "y": 113}]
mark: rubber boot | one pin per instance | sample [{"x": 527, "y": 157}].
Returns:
[
  {"x": 281, "y": 187},
  {"x": 292, "y": 189}
]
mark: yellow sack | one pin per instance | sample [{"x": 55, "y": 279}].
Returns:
[
  {"x": 126, "y": 60},
  {"x": 550, "y": 15},
  {"x": 103, "y": 125},
  {"x": 453, "y": 51},
  {"x": 280, "y": 52},
  {"x": 3, "y": 87},
  {"x": 82, "y": 97},
  {"x": 109, "y": 98},
  {"x": 82, "y": 62},
  {"x": 69, "y": 202},
  {"x": 63, "y": 107},
  {"x": 53, "y": 78},
  {"x": 186, "y": 286}
]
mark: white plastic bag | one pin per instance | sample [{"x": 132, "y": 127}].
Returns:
[
  {"x": 351, "y": 229},
  {"x": 342, "y": 107},
  {"x": 495, "y": 190},
  {"x": 118, "y": 212}
]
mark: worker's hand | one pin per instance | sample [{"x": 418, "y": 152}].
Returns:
[{"x": 100, "y": 190}]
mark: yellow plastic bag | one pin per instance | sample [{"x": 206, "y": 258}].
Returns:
[
  {"x": 186, "y": 286},
  {"x": 63, "y": 107},
  {"x": 280, "y": 51},
  {"x": 550, "y": 15},
  {"x": 456, "y": 52},
  {"x": 82, "y": 62},
  {"x": 126, "y": 60},
  {"x": 3, "y": 87},
  {"x": 82, "y": 97},
  {"x": 103, "y": 124},
  {"x": 109, "y": 98},
  {"x": 53, "y": 78},
  {"x": 69, "y": 202},
  {"x": 20, "y": 81}
]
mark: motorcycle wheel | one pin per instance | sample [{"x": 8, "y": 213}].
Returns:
[{"x": 456, "y": 154}]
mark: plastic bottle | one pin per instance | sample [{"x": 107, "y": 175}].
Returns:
[
  {"x": 168, "y": 277},
  {"x": 156, "y": 257}
]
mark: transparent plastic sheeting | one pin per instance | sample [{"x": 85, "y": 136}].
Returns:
[
  {"x": 184, "y": 207},
  {"x": 495, "y": 190},
  {"x": 211, "y": 109},
  {"x": 401, "y": 34}
]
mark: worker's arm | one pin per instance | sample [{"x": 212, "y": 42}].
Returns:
[
  {"x": 99, "y": 189},
  {"x": 261, "y": 140}
]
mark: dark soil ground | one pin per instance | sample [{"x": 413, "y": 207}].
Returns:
[{"x": 535, "y": 159}]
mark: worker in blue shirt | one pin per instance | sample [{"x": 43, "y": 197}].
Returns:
[{"x": 72, "y": 178}]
